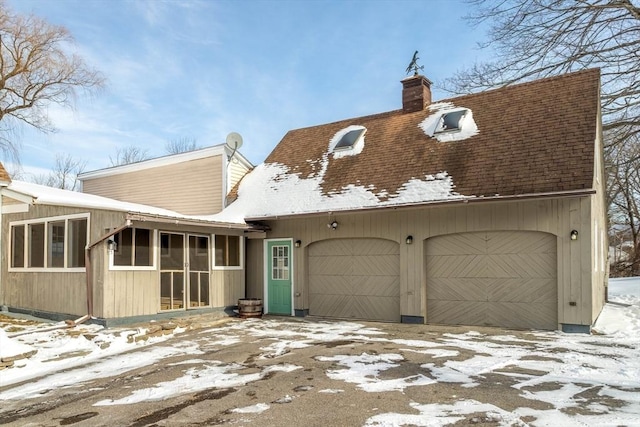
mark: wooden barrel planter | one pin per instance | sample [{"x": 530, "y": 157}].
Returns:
[{"x": 250, "y": 308}]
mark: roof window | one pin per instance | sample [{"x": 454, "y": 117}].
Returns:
[
  {"x": 349, "y": 139},
  {"x": 451, "y": 122}
]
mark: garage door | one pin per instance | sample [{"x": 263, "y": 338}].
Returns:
[
  {"x": 501, "y": 278},
  {"x": 355, "y": 278}
]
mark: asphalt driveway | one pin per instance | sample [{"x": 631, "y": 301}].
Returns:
[{"x": 285, "y": 372}]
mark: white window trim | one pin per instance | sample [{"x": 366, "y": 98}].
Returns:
[
  {"x": 46, "y": 222},
  {"x": 213, "y": 254},
  {"x": 154, "y": 257}
]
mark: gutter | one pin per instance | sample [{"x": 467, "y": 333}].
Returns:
[
  {"x": 88, "y": 267},
  {"x": 181, "y": 221},
  {"x": 456, "y": 201}
]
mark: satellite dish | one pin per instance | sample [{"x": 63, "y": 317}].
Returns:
[{"x": 234, "y": 141}]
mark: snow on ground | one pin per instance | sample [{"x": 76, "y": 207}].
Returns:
[{"x": 605, "y": 363}]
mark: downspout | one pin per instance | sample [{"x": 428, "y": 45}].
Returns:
[{"x": 88, "y": 267}]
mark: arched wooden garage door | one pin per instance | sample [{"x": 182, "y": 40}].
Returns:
[
  {"x": 355, "y": 278},
  {"x": 497, "y": 278}
]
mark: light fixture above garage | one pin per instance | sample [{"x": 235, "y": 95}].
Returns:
[
  {"x": 333, "y": 225},
  {"x": 574, "y": 234},
  {"x": 297, "y": 243},
  {"x": 409, "y": 240}
]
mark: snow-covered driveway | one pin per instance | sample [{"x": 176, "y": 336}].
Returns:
[{"x": 286, "y": 371}]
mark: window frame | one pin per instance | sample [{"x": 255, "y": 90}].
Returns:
[
  {"x": 443, "y": 116},
  {"x": 26, "y": 244},
  {"x": 153, "y": 248},
  {"x": 240, "y": 253}
]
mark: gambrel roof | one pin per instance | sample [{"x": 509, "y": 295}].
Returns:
[{"x": 523, "y": 140}]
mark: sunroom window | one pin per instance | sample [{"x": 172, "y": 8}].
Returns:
[
  {"x": 52, "y": 243},
  {"x": 133, "y": 248},
  {"x": 227, "y": 251}
]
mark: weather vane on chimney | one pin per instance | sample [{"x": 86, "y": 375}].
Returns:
[{"x": 413, "y": 65}]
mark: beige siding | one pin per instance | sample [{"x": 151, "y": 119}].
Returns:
[
  {"x": 555, "y": 216},
  {"x": 228, "y": 287},
  {"x": 255, "y": 268},
  {"x": 193, "y": 187},
  {"x": 9, "y": 201},
  {"x": 237, "y": 170}
]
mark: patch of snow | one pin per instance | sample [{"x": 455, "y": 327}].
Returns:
[
  {"x": 331, "y": 391},
  {"x": 10, "y": 347},
  {"x": 211, "y": 375},
  {"x": 468, "y": 126},
  {"x": 364, "y": 370},
  {"x": 253, "y": 409},
  {"x": 55, "y": 196},
  {"x": 273, "y": 190},
  {"x": 439, "y": 415}
]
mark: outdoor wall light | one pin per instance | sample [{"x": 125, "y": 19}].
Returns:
[
  {"x": 333, "y": 225},
  {"x": 574, "y": 234},
  {"x": 409, "y": 240},
  {"x": 297, "y": 243},
  {"x": 112, "y": 245}
]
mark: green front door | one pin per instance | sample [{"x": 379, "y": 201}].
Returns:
[{"x": 279, "y": 273}]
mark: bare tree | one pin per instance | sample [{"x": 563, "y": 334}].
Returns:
[
  {"x": 181, "y": 145},
  {"x": 539, "y": 38},
  {"x": 624, "y": 206},
  {"x": 129, "y": 154},
  {"x": 36, "y": 70},
  {"x": 64, "y": 174}
]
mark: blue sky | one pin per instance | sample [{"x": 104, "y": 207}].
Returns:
[{"x": 202, "y": 69}]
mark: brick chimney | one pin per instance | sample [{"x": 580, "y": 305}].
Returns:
[{"x": 416, "y": 93}]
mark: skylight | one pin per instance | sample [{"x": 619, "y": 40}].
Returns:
[
  {"x": 450, "y": 122},
  {"x": 349, "y": 139}
]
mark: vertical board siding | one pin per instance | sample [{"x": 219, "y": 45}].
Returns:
[
  {"x": 554, "y": 216},
  {"x": 56, "y": 291},
  {"x": 255, "y": 268},
  {"x": 192, "y": 188},
  {"x": 228, "y": 287}
]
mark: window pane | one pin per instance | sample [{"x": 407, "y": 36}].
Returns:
[
  {"x": 17, "y": 246},
  {"x": 221, "y": 251},
  {"x": 143, "y": 245},
  {"x": 123, "y": 252},
  {"x": 77, "y": 242},
  {"x": 56, "y": 245},
  {"x": 36, "y": 245},
  {"x": 234, "y": 251},
  {"x": 198, "y": 253}
]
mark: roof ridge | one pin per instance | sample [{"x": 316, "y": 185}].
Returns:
[{"x": 523, "y": 84}]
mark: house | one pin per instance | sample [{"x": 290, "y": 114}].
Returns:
[
  {"x": 118, "y": 259},
  {"x": 484, "y": 209}
]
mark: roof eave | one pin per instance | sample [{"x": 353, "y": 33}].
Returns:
[
  {"x": 140, "y": 217},
  {"x": 455, "y": 201}
]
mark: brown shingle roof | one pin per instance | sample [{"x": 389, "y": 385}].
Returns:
[{"x": 535, "y": 137}]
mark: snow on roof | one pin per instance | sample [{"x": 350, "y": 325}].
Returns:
[
  {"x": 271, "y": 190},
  {"x": 44, "y": 195}
]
